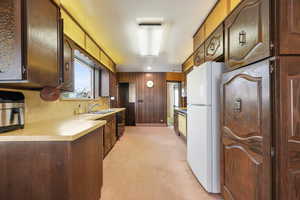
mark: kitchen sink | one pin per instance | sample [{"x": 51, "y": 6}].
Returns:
[{"x": 101, "y": 112}]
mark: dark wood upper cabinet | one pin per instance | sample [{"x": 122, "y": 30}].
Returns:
[
  {"x": 246, "y": 133},
  {"x": 30, "y": 43},
  {"x": 289, "y": 27},
  {"x": 67, "y": 76},
  {"x": 199, "y": 56},
  {"x": 214, "y": 45},
  {"x": 247, "y": 33}
]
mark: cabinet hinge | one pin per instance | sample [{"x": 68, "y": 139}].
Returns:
[
  {"x": 272, "y": 151},
  {"x": 272, "y": 46},
  {"x": 23, "y": 70},
  {"x": 272, "y": 64}
]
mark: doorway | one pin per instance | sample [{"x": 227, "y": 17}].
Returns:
[
  {"x": 173, "y": 100},
  {"x": 127, "y": 97}
]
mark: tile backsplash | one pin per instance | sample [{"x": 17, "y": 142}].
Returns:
[{"x": 38, "y": 110}]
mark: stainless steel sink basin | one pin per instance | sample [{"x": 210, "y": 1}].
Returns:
[{"x": 101, "y": 112}]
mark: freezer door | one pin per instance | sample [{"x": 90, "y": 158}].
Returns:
[
  {"x": 199, "y": 85},
  {"x": 199, "y": 144}
]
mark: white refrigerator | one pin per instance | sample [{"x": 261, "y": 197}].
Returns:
[{"x": 203, "y": 138}]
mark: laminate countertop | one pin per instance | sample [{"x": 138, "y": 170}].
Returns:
[{"x": 68, "y": 129}]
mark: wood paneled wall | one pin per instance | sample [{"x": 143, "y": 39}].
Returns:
[{"x": 151, "y": 103}]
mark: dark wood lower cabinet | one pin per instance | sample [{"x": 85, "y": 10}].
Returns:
[
  {"x": 260, "y": 151},
  {"x": 52, "y": 170},
  {"x": 110, "y": 133},
  {"x": 246, "y": 133}
]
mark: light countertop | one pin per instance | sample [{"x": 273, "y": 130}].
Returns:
[{"x": 68, "y": 129}]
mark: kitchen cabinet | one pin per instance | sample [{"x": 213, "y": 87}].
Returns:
[
  {"x": 188, "y": 64},
  {"x": 121, "y": 123},
  {"x": 110, "y": 133},
  {"x": 109, "y": 86},
  {"x": 180, "y": 123},
  {"x": 260, "y": 136},
  {"x": 64, "y": 170},
  {"x": 199, "y": 37},
  {"x": 199, "y": 57},
  {"x": 31, "y": 43},
  {"x": 247, "y": 33},
  {"x": 214, "y": 45},
  {"x": 289, "y": 27},
  {"x": 246, "y": 133},
  {"x": 67, "y": 76}
]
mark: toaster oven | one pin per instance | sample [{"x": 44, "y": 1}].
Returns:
[{"x": 11, "y": 111}]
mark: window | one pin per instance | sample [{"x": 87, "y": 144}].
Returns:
[{"x": 86, "y": 79}]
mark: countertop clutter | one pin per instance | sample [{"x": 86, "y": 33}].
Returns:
[{"x": 68, "y": 129}]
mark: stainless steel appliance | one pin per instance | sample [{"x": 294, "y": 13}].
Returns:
[{"x": 11, "y": 111}]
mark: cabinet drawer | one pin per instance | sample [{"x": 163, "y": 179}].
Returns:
[
  {"x": 199, "y": 56},
  {"x": 247, "y": 33},
  {"x": 214, "y": 45}
]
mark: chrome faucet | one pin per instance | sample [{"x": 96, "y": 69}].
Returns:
[{"x": 91, "y": 106}]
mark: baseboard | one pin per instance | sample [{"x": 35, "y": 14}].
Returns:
[{"x": 152, "y": 124}]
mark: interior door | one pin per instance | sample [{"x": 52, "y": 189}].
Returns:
[{"x": 246, "y": 133}]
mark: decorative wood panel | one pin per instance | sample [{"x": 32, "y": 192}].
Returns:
[
  {"x": 72, "y": 30},
  {"x": 92, "y": 48},
  {"x": 247, "y": 34},
  {"x": 10, "y": 40},
  {"x": 233, "y": 4},
  {"x": 288, "y": 140},
  {"x": 199, "y": 37},
  {"x": 246, "y": 133},
  {"x": 289, "y": 27},
  {"x": 214, "y": 45},
  {"x": 175, "y": 76},
  {"x": 199, "y": 57},
  {"x": 216, "y": 17},
  {"x": 189, "y": 63}
]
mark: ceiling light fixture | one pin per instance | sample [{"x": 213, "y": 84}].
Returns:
[
  {"x": 150, "y": 38},
  {"x": 149, "y": 68}
]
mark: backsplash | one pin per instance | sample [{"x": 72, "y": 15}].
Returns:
[{"x": 38, "y": 110}]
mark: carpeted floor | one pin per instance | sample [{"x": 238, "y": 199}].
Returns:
[{"x": 149, "y": 163}]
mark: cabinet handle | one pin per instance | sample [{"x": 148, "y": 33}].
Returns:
[
  {"x": 242, "y": 38},
  {"x": 237, "y": 107},
  {"x": 67, "y": 66}
]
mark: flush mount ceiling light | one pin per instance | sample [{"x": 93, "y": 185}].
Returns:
[
  {"x": 150, "y": 38},
  {"x": 149, "y": 68}
]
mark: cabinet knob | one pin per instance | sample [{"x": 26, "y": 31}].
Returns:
[{"x": 242, "y": 38}]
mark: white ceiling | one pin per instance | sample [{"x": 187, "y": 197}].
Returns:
[{"x": 113, "y": 23}]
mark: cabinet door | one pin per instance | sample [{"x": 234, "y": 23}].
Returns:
[
  {"x": 10, "y": 40},
  {"x": 43, "y": 42},
  {"x": 246, "y": 134},
  {"x": 214, "y": 45},
  {"x": 199, "y": 56},
  {"x": 107, "y": 135},
  {"x": 247, "y": 34},
  {"x": 288, "y": 127},
  {"x": 113, "y": 131},
  {"x": 68, "y": 70}
]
